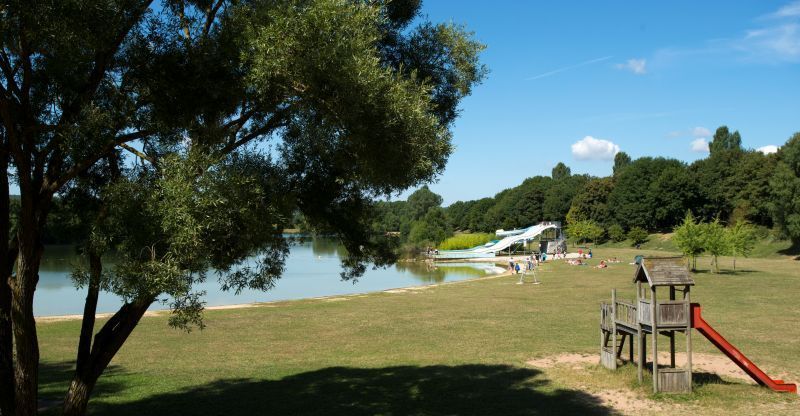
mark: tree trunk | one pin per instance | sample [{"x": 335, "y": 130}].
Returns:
[
  {"x": 107, "y": 343},
  {"x": 26, "y": 342},
  {"x": 33, "y": 208},
  {"x": 6, "y": 265}
]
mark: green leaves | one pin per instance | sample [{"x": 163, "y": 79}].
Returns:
[
  {"x": 688, "y": 237},
  {"x": 785, "y": 189}
]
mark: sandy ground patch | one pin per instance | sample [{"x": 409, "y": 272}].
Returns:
[
  {"x": 708, "y": 363},
  {"x": 629, "y": 403}
]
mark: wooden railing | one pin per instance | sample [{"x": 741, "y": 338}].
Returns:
[
  {"x": 644, "y": 311},
  {"x": 673, "y": 313},
  {"x": 670, "y": 313},
  {"x": 606, "y": 321},
  {"x": 626, "y": 313}
]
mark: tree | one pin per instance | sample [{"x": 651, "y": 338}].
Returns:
[
  {"x": 621, "y": 160},
  {"x": 561, "y": 172},
  {"x": 594, "y": 231},
  {"x": 558, "y": 197},
  {"x": 616, "y": 233},
  {"x": 742, "y": 239},
  {"x": 637, "y": 235},
  {"x": 643, "y": 187},
  {"x": 358, "y": 103},
  {"x": 725, "y": 140},
  {"x": 585, "y": 230},
  {"x": 785, "y": 190},
  {"x": 715, "y": 242},
  {"x": 421, "y": 201},
  {"x": 591, "y": 203},
  {"x": 576, "y": 230},
  {"x": 671, "y": 193},
  {"x": 431, "y": 229},
  {"x": 688, "y": 237}
]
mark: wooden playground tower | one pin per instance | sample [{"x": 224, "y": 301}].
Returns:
[{"x": 650, "y": 316}]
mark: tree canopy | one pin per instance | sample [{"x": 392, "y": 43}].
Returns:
[{"x": 193, "y": 133}]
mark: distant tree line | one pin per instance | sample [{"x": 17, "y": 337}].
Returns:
[{"x": 649, "y": 194}]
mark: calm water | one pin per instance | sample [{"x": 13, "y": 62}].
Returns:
[{"x": 312, "y": 269}]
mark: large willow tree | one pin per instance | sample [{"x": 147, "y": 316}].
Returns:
[{"x": 185, "y": 134}]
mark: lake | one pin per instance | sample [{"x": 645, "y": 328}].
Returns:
[{"x": 312, "y": 270}]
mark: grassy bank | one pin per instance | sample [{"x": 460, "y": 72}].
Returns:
[
  {"x": 466, "y": 240},
  {"x": 452, "y": 349},
  {"x": 766, "y": 246}
]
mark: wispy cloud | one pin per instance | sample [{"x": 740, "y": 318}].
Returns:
[
  {"x": 700, "y": 131},
  {"x": 774, "y": 40},
  {"x": 781, "y": 43},
  {"x": 790, "y": 10},
  {"x": 567, "y": 68},
  {"x": 637, "y": 66}
]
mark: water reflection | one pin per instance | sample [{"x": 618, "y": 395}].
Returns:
[{"x": 312, "y": 270}]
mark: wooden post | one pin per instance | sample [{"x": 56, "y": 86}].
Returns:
[
  {"x": 672, "y": 349},
  {"x": 687, "y": 298},
  {"x": 630, "y": 348},
  {"x": 602, "y": 333},
  {"x": 672, "y": 333},
  {"x": 654, "y": 327},
  {"x": 614, "y": 326},
  {"x": 639, "y": 338}
]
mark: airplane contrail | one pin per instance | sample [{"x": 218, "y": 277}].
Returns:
[{"x": 567, "y": 68}]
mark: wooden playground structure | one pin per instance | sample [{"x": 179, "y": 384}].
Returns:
[{"x": 648, "y": 315}]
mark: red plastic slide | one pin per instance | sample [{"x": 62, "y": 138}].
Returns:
[{"x": 737, "y": 357}]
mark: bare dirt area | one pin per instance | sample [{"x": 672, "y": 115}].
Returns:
[{"x": 630, "y": 402}]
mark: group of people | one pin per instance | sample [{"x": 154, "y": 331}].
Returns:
[
  {"x": 432, "y": 251},
  {"x": 526, "y": 265}
]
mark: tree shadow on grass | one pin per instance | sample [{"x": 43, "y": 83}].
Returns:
[
  {"x": 405, "y": 390},
  {"x": 793, "y": 250},
  {"x": 54, "y": 379}
]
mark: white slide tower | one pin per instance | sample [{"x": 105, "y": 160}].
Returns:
[{"x": 490, "y": 249}]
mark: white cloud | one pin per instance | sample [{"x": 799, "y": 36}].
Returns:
[
  {"x": 770, "y": 148},
  {"x": 700, "y": 145},
  {"x": 701, "y": 132},
  {"x": 790, "y": 10},
  {"x": 590, "y": 148},
  {"x": 637, "y": 66}
]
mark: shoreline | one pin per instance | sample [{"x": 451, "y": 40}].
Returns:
[{"x": 273, "y": 303}]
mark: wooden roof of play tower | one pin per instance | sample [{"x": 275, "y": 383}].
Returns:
[{"x": 663, "y": 271}]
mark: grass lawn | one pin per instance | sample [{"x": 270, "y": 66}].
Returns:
[{"x": 453, "y": 349}]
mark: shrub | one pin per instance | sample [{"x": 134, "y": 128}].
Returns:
[
  {"x": 637, "y": 235},
  {"x": 616, "y": 233}
]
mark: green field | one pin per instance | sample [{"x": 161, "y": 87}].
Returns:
[{"x": 452, "y": 349}]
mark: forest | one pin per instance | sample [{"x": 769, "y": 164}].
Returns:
[{"x": 731, "y": 185}]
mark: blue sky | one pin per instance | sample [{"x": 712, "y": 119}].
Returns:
[{"x": 650, "y": 79}]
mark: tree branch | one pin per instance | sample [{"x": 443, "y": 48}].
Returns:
[
  {"x": 210, "y": 16},
  {"x": 277, "y": 120},
  {"x": 141, "y": 155},
  {"x": 77, "y": 168}
]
